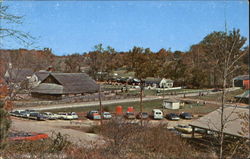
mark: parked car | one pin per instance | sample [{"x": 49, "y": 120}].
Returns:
[
  {"x": 65, "y": 116},
  {"x": 50, "y": 116},
  {"x": 130, "y": 115},
  {"x": 37, "y": 116},
  {"x": 24, "y": 114},
  {"x": 157, "y": 114},
  {"x": 16, "y": 113},
  {"x": 172, "y": 116},
  {"x": 27, "y": 112},
  {"x": 74, "y": 115},
  {"x": 142, "y": 115},
  {"x": 31, "y": 136},
  {"x": 106, "y": 115},
  {"x": 216, "y": 90},
  {"x": 185, "y": 115},
  {"x": 94, "y": 114},
  {"x": 184, "y": 128}
]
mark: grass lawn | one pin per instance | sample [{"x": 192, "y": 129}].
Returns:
[
  {"x": 217, "y": 97},
  {"x": 147, "y": 107}
]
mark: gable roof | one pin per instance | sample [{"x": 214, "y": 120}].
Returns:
[
  {"x": 235, "y": 125},
  {"x": 41, "y": 75},
  {"x": 72, "y": 83},
  {"x": 76, "y": 82}
]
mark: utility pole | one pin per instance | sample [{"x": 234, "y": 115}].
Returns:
[
  {"x": 100, "y": 103},
  {"x": 141, "y": 93}
]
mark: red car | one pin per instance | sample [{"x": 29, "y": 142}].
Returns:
[{"x": 27, "y": 136}]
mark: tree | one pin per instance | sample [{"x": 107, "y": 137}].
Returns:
[
  {"x": 18, "y": 36},
  {"x": 7, "y": 32},
  {"x": 225, "y": 51},
  {"x": 74, "y": 62}
]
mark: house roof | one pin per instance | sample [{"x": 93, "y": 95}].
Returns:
[
  {"x": 18, "y": 75},
  {"x": 241, "y": 77},
  {"x": 72, "y": 83},
  {"x": 234, "y": 126},
  {"x": 151, "y": 80}
]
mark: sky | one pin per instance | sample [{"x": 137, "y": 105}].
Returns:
[{"x": 77, "y": 26}]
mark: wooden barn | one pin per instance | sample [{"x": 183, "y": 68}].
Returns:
[{"x": 57, "y": 85}]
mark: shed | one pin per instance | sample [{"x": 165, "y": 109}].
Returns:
[
  {"x": 241, "y": 81},
  {"x": 171, "y": 104}
]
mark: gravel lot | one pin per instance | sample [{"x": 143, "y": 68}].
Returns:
[
  {"x": 65, "y": 127},
  {"x": 50, "y": 127}
]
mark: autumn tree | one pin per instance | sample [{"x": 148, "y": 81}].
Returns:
[
  {"x": 74, "y": 62},
  {"x": 225, "y": 51}
]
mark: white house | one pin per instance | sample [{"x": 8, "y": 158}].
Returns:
[
  {"x": 166, "y": 83},
  {"x": 171, "y": 104}
]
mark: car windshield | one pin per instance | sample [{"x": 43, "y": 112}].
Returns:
[{"x": 144, "y": 113}]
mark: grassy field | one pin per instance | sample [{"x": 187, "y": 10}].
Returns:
[
  {"x": 217, "y": 97},
  {"x": 147, "y": 107}
]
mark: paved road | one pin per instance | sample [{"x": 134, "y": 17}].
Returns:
[{"x": 108, "y": 102}]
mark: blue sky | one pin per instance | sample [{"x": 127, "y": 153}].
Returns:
[{"x": 76, "y": 26}]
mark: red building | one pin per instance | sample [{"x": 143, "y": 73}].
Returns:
[{"x": 241, "y": 81}]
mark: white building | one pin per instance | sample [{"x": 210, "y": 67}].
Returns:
[{"x": 171, "y": 104}]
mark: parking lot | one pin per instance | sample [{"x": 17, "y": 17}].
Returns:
[{"x": 68, "y": 127}]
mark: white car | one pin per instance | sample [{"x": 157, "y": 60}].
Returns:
[
  {"x": 106, "y": 115},
  {"x": 75, "y": 116},
  {"x": 157, "y": 114},
  {"x": 50, "y": 116},
  {"x": 65, "y": 116}
]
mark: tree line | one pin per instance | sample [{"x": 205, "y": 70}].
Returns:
[{"x": 199, "y": 67}]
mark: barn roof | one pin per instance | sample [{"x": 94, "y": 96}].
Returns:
[
  {"x": 234, "y": 126},
  {"x": 41, "y": 75},
  {"x": 72, "y": 83},
  {"x": 48, "y": 88}
]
